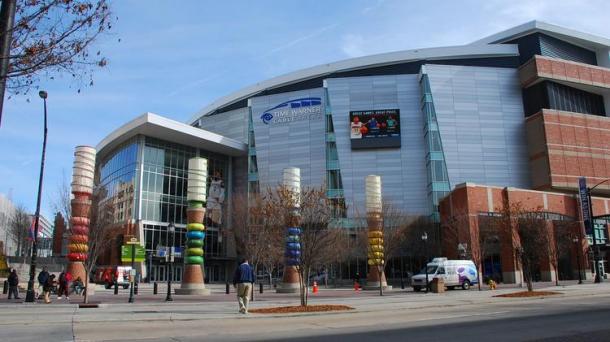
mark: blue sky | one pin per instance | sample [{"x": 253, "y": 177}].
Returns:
[{"x": 175, "y": 57}]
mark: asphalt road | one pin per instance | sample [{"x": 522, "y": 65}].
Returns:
[
  {"x": 590, "y": 325},
  {"x": 581, "y": 313}
]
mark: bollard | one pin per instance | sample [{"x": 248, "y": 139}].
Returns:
[
  {"x": 135, "y": 287},
  {"x": 116, "y": 288},
  {"x": 402, "y": 284},
  {"x": 5, "y": 288},
  {"x": 260, "y": 287},
  {"x": 252, "y": 292},
  {"x": 227, "y": 289},
  {"x": 155, "y": 288}
]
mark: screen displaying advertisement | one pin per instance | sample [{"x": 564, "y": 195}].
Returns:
[{"x": 375, "y": 128}]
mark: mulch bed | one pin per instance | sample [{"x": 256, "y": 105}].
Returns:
[
  {"x": 523, "y": 294},
  {"x": 299, "y": 308}
]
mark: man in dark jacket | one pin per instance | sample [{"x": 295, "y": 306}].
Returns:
[
  {"x": 13, "y": 282},
  {"x": 243, "y": 280},
  {"x": 43, "y": 276}
]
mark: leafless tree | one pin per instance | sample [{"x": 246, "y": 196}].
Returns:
[
  {"x": 60, "y": 202},
  {"x": 317, "y": 239},
  {"x": 55, "y": 36},
  {"x": 101, "y": 233},
  {"x": 258, "y": 239},
  {"x": 19, "y": 229}
]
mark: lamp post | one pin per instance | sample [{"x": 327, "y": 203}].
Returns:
[
  {"x": 598, "y": 277},
  {"x": 424, "y": 238},
  {"x": 576, "y": 241},
  {"x": 30, "y": 292},
  {"x": 170, "y": 229}
]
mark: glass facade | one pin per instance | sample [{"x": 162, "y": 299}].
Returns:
[
  {"x": 334, "y": 184},
  {"x": 118, "y": 176},
  {"x": 438, "y": 180}
]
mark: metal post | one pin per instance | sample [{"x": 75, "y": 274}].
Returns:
[
  {"x": 227, "y": 288},
  {"x": 155, "y": 288},
  {"x": 426, "y": 264},
  {"x": 116, "y": 287},
  {"x": 133, "y": 279},
  {"x": 260, "y": 287},
  {"x": 7, "y": 21},
  {"x": 578, "y": 251},
  {"x": 172, "y": 230},
  {"x": 598, "y": 278},
  {"x": 5, "y": 287},
  {"x": 30, "y": 292}
]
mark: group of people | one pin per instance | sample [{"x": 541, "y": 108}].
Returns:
[{"x": 48, "y": 283}]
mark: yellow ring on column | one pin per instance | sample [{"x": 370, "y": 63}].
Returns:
[
  {"x": 195, "y": 227},
  {"x": 194, "y": 252}
]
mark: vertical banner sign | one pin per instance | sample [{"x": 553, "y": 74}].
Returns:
[{"x": 584, "y": 204}]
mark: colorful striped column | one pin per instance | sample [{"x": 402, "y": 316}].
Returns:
[
  {"x": 192, "y": 279},
  {"x": 82, "y": 190},
  {"x": 290, "y": 282},
  {"x": 374, "y": 218}
]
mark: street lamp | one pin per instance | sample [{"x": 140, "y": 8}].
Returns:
[
  {"x": 576, "y": 241},
  {"x": 30, "y": 292},
  {"x": 424, "y": 238},
  {"x": 598, "y": 277},
  {"x": 170, "y": 229}
]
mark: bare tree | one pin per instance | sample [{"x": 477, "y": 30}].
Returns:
[
  {"x": 317, "y": 239},
  {"x": 19, "y": 229},
  {"x": 60, "y": 203},
  {"x": 56, "y": 36},
  {"x": 256, "y": 238},
  {"x": 101, "y": 233}
]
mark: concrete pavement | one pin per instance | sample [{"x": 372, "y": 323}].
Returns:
[{"x": 396, "y": 314}]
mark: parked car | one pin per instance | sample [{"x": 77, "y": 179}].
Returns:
[
  {"x": 455, "y": 273},
  {"x": 107, "y": 276}
]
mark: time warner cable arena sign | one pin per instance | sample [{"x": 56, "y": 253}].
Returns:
[{"x": 309, "y": 108}]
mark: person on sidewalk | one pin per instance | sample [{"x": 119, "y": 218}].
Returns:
[
  {"x": 64, "y": 284},
  {"x": 13, "y": 283},
  {"x": 243, "y": 280},
  {"x": 78, "y": 286},
  {"x": 43, "y": 276},
  {"x": 47, "y": 287}
]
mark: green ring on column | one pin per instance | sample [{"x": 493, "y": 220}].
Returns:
[
  {"x": 196, "y": 204},
  {"x": 194, "y": 260},
  {"x": 195, "y": 227},
  {"x": 195, "y": 243},
  {"x": 194, "y": 252}
]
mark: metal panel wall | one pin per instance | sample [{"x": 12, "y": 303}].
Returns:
[
  {"x": 481, "y": 121},
  {"x": 232, "y": 124},
  {"x": 298, "y": 143},
  {"x": 402, "y": 170}
]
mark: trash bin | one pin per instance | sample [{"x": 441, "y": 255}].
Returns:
[{"x": 438, "y": 285}]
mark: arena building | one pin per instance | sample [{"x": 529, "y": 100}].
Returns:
[{"x": 525, "y": 108}]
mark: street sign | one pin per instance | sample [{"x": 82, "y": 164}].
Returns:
[
  {"x": 140, "y": 254},
  {"x": 133, "y": 241},
  {"x": 584, "y": 204}
]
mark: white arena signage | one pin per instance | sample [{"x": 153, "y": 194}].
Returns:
[{"x": 309, "y": 108}]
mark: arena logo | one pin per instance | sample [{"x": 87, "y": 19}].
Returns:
[{"x": 294, "y": 110}]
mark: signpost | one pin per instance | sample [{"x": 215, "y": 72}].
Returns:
[{"x": 133, "y": 252}]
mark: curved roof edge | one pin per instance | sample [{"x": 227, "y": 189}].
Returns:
[
  {"x": 450, "y": 52},
  {"x": 153, "y": 125},
  {"x": 577, "y": 37}
]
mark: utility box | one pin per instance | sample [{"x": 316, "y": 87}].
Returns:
[{"x": 438, "y": 285}]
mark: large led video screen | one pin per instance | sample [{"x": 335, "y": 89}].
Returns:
[{"x": 374, "y": 128}]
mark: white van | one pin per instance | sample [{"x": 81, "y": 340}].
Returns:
[{"x": 462, "y": 273}]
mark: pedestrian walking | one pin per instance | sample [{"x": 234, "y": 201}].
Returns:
[
  {"x": 47, "y": 287},
  {"x": 43, "y": 276},
  {"x": 243, "y": 280},
  {"x": 64, "y": 284},
  {"x": 13, "y": 283}
]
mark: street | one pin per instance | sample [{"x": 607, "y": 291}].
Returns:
[{"x": 580, "y": 313}]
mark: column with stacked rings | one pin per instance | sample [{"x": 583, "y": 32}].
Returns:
[
  {"x": 82, "y": 190},
  {"x": 374, "y": 218},
  {"x": 192, "y": 279},
  {"x": 290, "y": 281}
]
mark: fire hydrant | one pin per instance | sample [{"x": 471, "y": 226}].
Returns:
[
  {"x": 492, "y": 284},
  {"x": 315, "y": 287}
]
